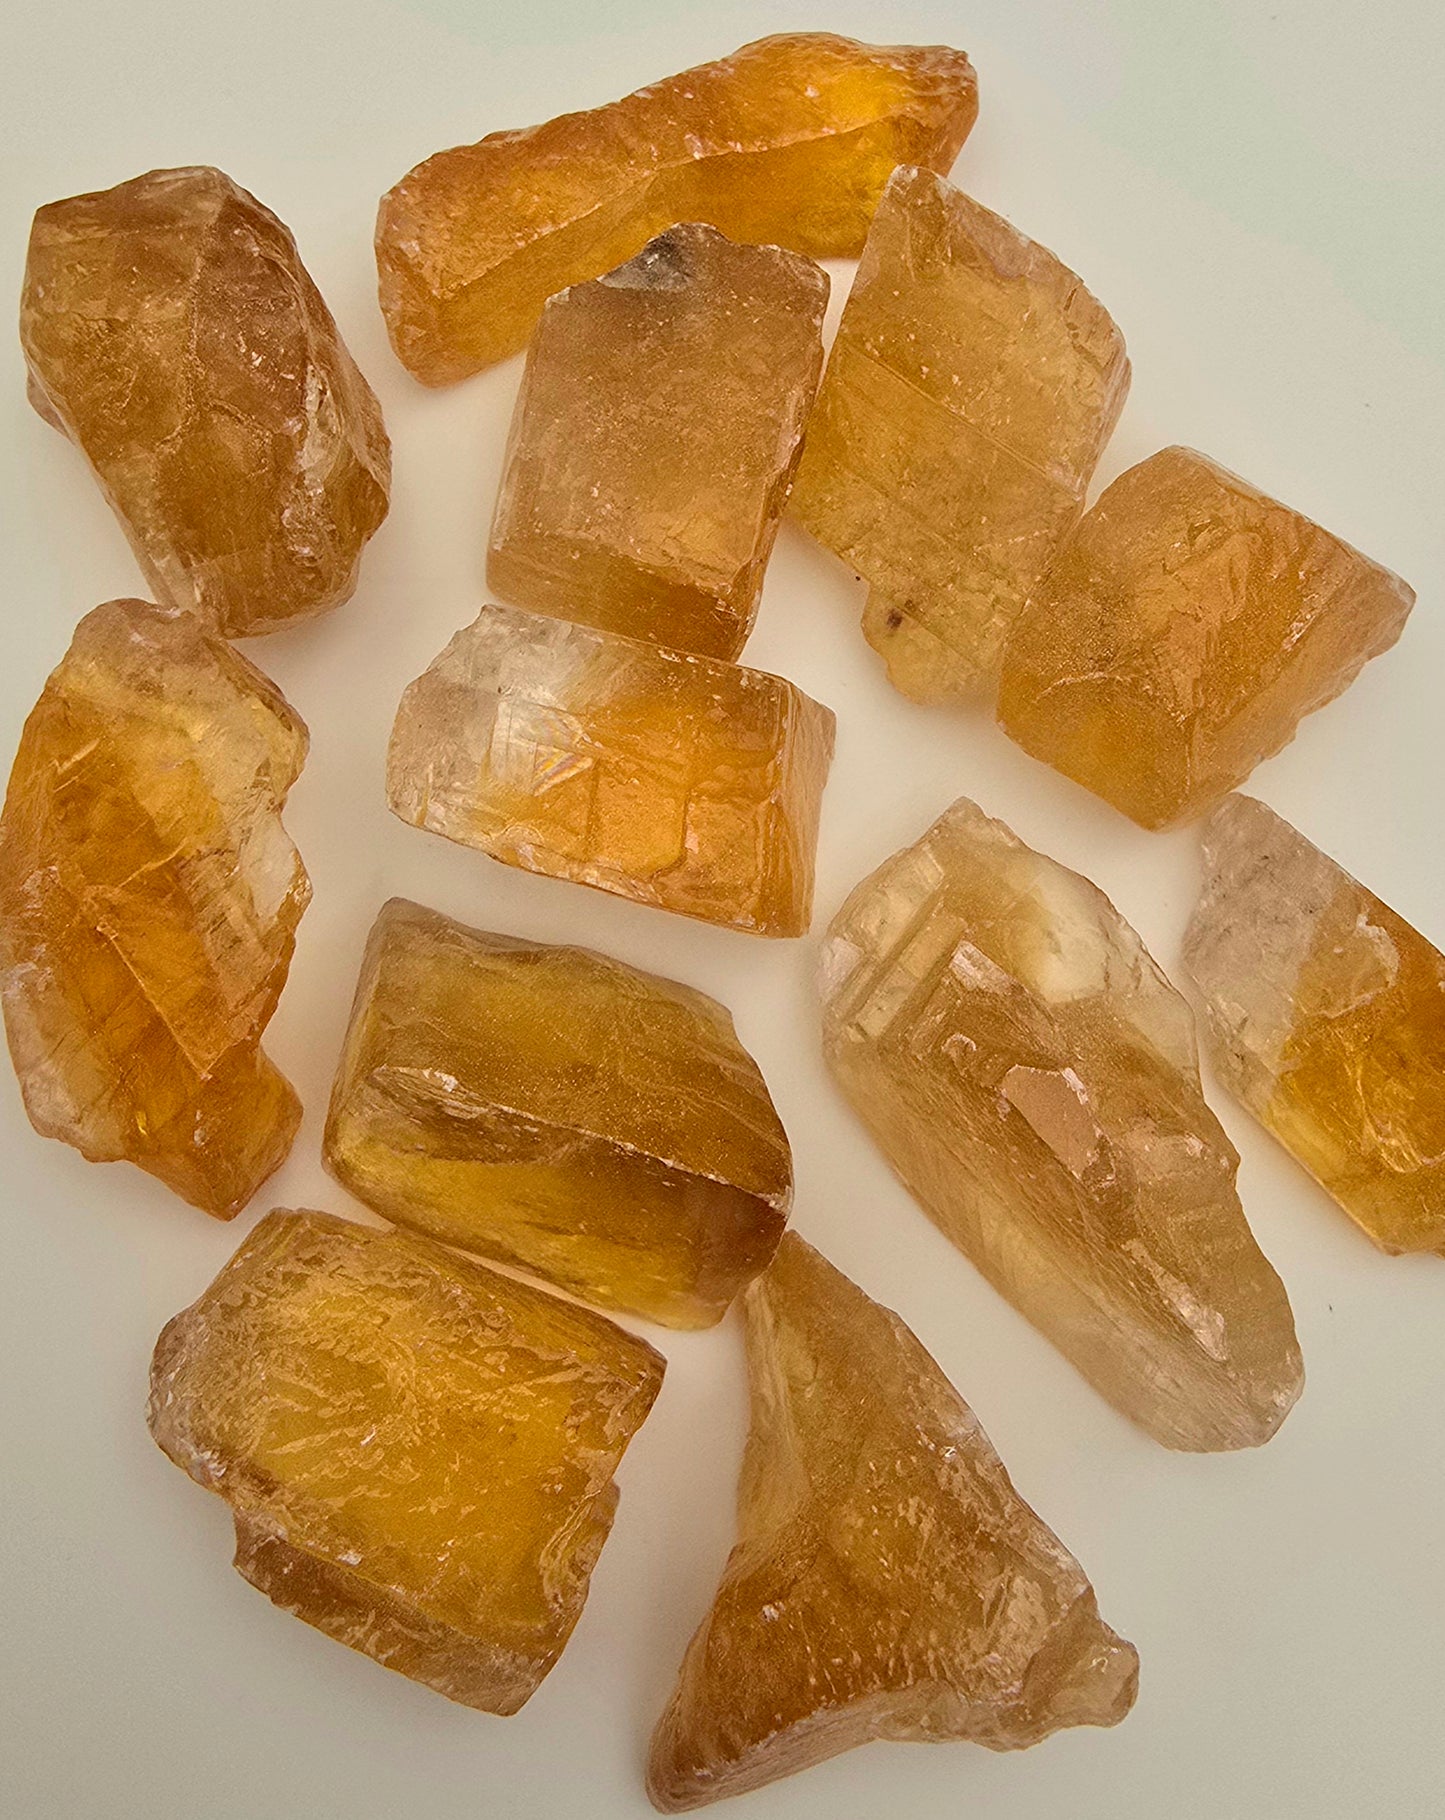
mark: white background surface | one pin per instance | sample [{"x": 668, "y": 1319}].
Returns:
[{"x": 1254, "y": 188}]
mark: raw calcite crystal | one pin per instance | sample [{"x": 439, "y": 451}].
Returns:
[
  {"x": 418, "y": 1451},
  {"x": 790, "y": 140},
  {"x": 1325, "y": 1015},
  {"x": 560, "y": 1111},
  {"x": 662, "y": 776},
  {"x": 1187, "y": 628},
  {"x": 888, "y": 1581},
  {"x": 1032, "y": 1077},
  {"x": 149, "y": 898},
  {"x": 174, "y": 335},
  {"x": 969, "y": 394},
  {"x": 654, "y": 440}
]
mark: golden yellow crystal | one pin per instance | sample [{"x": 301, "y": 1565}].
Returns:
[
  {"x": 654, "y": 440},
  {"x": 1325, "y": 1015},
  {"x": 888, "y": 1581},
  {"x": 1033, "y": 1078},
  {"x": 149, "y": 898},
  {"x": 969, "y": 394},
  {"x": 600, "y": 1126},
  {"x": 1187, "y": 628},
  {"x": 669, "y": 778},
  {"x": 790, "y": 140},
  {"x": 418, "y": 1451},
  {"x": 173, "y": 333}
]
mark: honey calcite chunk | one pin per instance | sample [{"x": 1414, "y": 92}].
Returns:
[
  {"x": 1187, "y": 628},
  {"x": 1032, "y": 1077},
  {"x": 655, "y": 436},
  {"x": 1325, "y": 1015},
  {"x": 174, "y": 335},
  {"x": 600, "y": 1126},
  {"x": 969, "y": 394},
  {"x": 788, "y": 141},
  {"x": 662, "y": 776},
  {"x": 149, "y": 898},
  {"x": 888, "y": 1581},
  {"x": 418, "y": 1451}
]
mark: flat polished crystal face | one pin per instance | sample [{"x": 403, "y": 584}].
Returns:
[
  {"x": 888, "y": 1581},
  {"x": 1032, "y": 1077},
  {"x": 970, "y": 392},
  {"x": 1324, "y": 1013},
  {"x": 672, "y": 779},
  {"x": 597, "y": 1125},
  {"x": 173, "y": 333},
  {"x": 788, "y": 142},
  {"x": 149, "y": 898},
  {"x": 655, "y": 435},
  {"x": 1185, "y": 631},
  {"x": 418, "y": 1451}
]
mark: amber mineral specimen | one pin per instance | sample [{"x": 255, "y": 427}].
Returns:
[
  {"x": 418, "y": 1451},
  {"x": 655, "y": 436},
  {"x": 969, "y": 394},
  {"x": 666, "y": 777},
  {"x": 598, "y": 1125},
  {"x": 173, "y": 333},
  {"x": 888, "y": 1581},
  {"x": 149, "y": 898},
  {"x": 1325, "y": 1015},
  {"x": 1032, "y": 1077},
  {"x": 1185, "y": 631},
  {"x": 790, "y": 140}
]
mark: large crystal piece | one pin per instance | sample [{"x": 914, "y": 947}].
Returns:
[
  {"x": 969, "y": 394},
  {"x": 560, "y": 1111},
  {"x": 418, "y": 1451},
  {"x": 662, "y": 776},
  {"x": 888, "y": 1581},
  {"x": 1325, "y": 1015},
  {"x": 655, "y": 436},
  {"x": 1187, "y": 628},
  {"x": 173, "y": 333},
  {"x": 788, "y": 141},
  {"x": 1032, "y": 1077},
  {"x": 149, "y": 898}
]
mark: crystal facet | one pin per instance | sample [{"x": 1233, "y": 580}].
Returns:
[
  {"x": 888, "y": 1581},
  {"x": 656, "y": 431},
  {"x": 418, "y": 1451},
  {"x": 1032, "y": 1077},
  {"x": 662, "y": 776},
  {"x": 173, "y": 333},
  {"x": 149, "y": 898},
  {"x": 1325, "y": 1015},
  {"x": 969, "y": 394},
  {"x": 1187, "y": 628},
  {"x": 790, "y": 140},
  {"x": 595, "y": 1124}
]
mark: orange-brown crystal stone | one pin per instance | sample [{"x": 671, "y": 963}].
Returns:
[
  {"x": 418, "y": 1451},
  {"x": 789, "y": 141}
]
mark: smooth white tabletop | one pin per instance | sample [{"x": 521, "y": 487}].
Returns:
[{"x": 1254, "y": 188}]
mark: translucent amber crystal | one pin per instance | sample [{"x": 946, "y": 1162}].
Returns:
[
  {"x": 173, "y": 333},
  {"x": 662, "y": 776},
  {"x": 790, "y": 140},
  {"x": 969, "y": 394},
  {"x": 1187, "y": 628},
  {"x": 149, "y": 898},
  {"x": 1325, "y": 1015},
  {"x": 888, "y": 1581},
  {"x": 598, "y": 1125},
  {"x": 418, "y": 1451},
  {"x": 655, "y": 436},
  {"x": 1032, "y": 1077}
]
